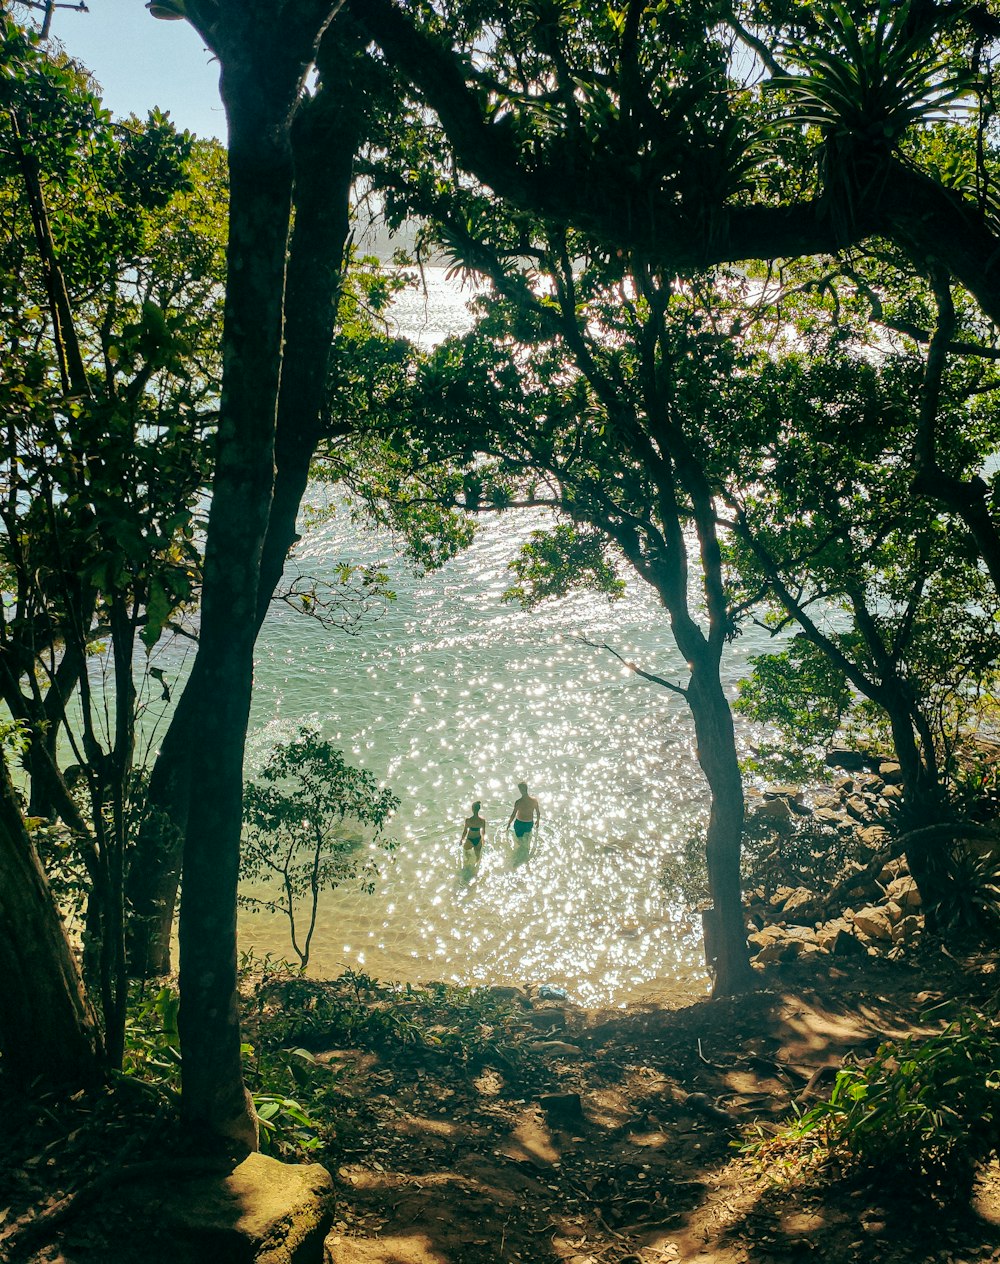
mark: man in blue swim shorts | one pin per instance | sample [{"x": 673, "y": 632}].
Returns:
[{"x": 525, "y": 813}]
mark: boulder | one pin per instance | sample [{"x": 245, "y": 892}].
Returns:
[
  {"x": 907, "y": 930},
  {"x": 890, "y": 772},
  {"x": 259, "y": 1211},
  {"x": 858, "y": 807},
  {"x": 892, "y": 794},
  {"x": 562, "y": 1107},
  {"x": 893, "y": 869},
  {"x": 828, "y": 816},
  {"x": 774, "y": 811},
  {"x": 761, "y": 938},
  {"x": 795, "y": 900},
  {"x": 850, "y": 760},
  {"x": 904, "y": 892},
  {"x": 847, "y": 944},
  {"x": 893, "y": 912},
  {"x": 826, "y": 935},
  {"x": 786, "y": 949},
  {"x": 793, "y": 793},
  {"x": 873, "y": 836},
  {"x": 873, "y": 922}
]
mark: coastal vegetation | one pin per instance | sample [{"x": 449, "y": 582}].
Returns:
[{"x": 736, "y": 332}]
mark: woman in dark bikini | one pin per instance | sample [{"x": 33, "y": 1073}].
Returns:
[{"x": 472, "y": 835}]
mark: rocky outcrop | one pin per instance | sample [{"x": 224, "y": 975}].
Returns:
[{"x": 873, "y": 906}]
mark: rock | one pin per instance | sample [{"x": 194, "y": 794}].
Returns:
[
  {"x": 769, "y": 935},
  {"x": 905, "y": 892},
  {"x": 892, "y": 794},
  {"x": 857, "y": 807},
  {"x": 868, "y": 784},
  {"x": 799, "y": 898},
  {"x": 906, "y": 931},
  {"x": 826, "y": 935},
  {"x": 552, "y": 1016},
  {"x": 791, "y": 944},
  {"x": 827, "y": 816},
  {"x": 850, "y": 760},
  {"x": 565, "y": 1107},
  {"x": 894, "y": 913},
  {"x": 873, "y": 836},
  {"x": 847, "y": 944},
  {"x": 893, "y": 869},
  {"x": 260, "y": 1212},
  {"x": 775, "y": 810},
  {"x": 803, "y": 934},
  {"x": 792, "y": 794},
  {"x": 555, "y": 1049},
  {"x": 873, "y": 922},
  {"x": 516, "y": 994},
  {"x": 890, "y": 772}
]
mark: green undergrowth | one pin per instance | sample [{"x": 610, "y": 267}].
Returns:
[
  {"x": 920, "y": 1113},
  {"x": 305, "y": 1101}
]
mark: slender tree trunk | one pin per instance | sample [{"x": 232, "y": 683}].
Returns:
[
  {"x": 47, "y": 1029},
  {"x": 713, "y": 722},
  {"x": 154, "y": 867}
]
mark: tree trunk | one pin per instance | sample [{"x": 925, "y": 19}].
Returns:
[
  {"x": 325, "y": 139},
  {"x": 154, "y": 867},
  {"x": 259, "y": 99},
  {"x": 47, "y": 1029},
  {"x": 713, "y": 722},
  {"x": 922, "y": 806}
]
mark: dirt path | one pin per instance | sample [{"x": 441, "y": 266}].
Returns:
[{"x": 613, "y": 1142}]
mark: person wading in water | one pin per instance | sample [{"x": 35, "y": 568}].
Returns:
[
  {"x": 472, "y": 835},
  {"x": 525, "y": 814}
]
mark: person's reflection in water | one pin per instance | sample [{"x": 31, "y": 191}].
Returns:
[{"x": 522, "y": 851}]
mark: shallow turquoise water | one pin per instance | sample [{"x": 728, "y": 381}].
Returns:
[{"x": 452, "y": 695}]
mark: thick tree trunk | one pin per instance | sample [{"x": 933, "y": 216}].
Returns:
[
  {"x": 325, "y": 139},
  {"x": 923, "y": 805},
  {"x": 259, "y": 99},
  {"x": 47, "y": 1029}
]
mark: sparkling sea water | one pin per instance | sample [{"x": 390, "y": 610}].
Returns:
[{"x": 452, "y": 695}]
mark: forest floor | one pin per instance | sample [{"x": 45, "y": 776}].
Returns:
[
  {"x": 590, "y": 1137},
  {"x": 621, "y": 1149}
]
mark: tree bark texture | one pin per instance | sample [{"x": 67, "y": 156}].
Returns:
[
  {"x": 47, "y": 1030},
  {"x": 716, "y": 738},
  {"x": 324, "y": 142},
  {"x": 262, "y": 72}
]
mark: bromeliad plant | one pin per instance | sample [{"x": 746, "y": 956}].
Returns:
[
  {"x": 873, "y": 77},
  {"x": 304, "y": 828}
]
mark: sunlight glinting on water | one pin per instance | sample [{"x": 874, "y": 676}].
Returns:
[{"x": 452, "y": 696}]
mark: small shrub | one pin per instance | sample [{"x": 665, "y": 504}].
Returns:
[
  {"x": 152, "y": 1041},
  {"x": 925, "y": 1111},
  {"x": 297, "y": 838},
  {"x": 970, "y": 902}
]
